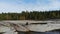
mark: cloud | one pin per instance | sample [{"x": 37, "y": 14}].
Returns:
[
  {"x": 43, "y": 5},
  {"x": 21, "y": 5},
  {"x": 54, "y": 5}
]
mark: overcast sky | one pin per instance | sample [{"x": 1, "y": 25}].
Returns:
[{"x": 21, "y": 5}]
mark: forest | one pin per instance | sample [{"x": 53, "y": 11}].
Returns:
[{"x": 31, "y": 15}]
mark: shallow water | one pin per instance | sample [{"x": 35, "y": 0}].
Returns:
[
  {"x": 39, "y": 33},
  {"x": 47, "y": 33}
]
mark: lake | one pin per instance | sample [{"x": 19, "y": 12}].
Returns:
[{"x": 39, "y": 33}]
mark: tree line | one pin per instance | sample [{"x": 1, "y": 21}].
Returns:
[{"x": 32, "y": 15}]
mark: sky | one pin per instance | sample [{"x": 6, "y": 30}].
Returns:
[{"x": 30, "y": 5}]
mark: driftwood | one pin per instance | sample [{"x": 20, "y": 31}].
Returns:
[{"x": 24, "y": 29}]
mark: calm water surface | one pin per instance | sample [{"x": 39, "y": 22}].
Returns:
[{"x": 39, "y": 33}]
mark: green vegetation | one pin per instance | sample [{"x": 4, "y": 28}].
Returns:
[{"x": 33, "y": 15}]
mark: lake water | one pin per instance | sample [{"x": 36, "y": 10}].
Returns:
[{"x": 39, "y": 33}]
